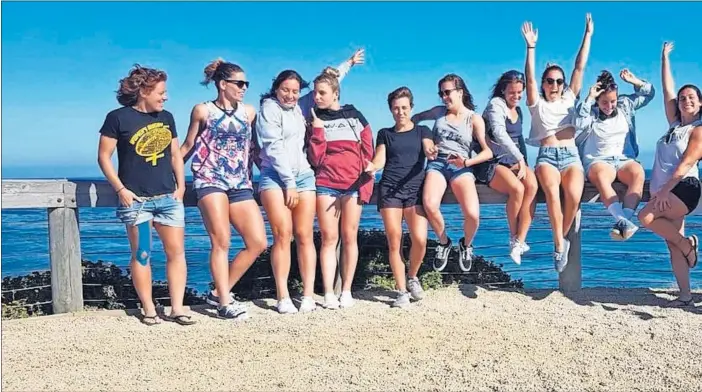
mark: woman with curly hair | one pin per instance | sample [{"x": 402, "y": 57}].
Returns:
[
  {"x": 609, "y": 147},
  {"x": 150, "y": 183}
]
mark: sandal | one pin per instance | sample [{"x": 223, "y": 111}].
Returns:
[
  {"x": 678, "y": 303},
  {"x": 182, "y": 319},
  {"x": 694, "y": 247},
  {"x": 154, "y": 320}
]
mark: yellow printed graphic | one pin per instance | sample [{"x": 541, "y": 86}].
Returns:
[{"x": 151, "y": 141}]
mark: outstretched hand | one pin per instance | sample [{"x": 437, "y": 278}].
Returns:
[
  {"x": 667, "y": 48},
  {"x": 358, "y": 57},
  {"x": 530, "y": 35},
  {"x": 629, "y": 77},
  {"x": 589, "y": 24}
]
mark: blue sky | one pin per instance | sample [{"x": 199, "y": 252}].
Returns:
[{"x": 62, "y": 61}]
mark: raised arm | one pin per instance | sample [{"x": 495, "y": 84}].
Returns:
[
  {"x": 496, "y": 118},
  {"x": 269, "y": 126},
  {"x": 306, "y": 102},
  {"x": 198, "y": 118},
  {"x": 576, "y": 79},
  {"x": 643, "y": 90},
  {"x": 583, "y": 110},
  {"x": 669, "y": 98},
  {"x": 532, "y": 87},
  {"x": 428, "y": 115}
]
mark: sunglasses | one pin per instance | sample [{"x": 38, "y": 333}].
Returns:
[
  {"x": 515, "y": 75},
  {"x": 552, "y": 81},
  {"x": 238, "y": 83},
  {"x": 446, "y": 93}
]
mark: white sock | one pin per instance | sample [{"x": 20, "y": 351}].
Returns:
[
  {"x": 628, "y": 213},
  {"x": 616, "y": 210}
]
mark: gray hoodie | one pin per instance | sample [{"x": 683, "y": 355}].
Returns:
[{"x": 281, "y": 135}]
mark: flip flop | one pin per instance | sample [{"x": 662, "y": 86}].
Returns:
[
  {"x": 694, "y": 248},
  {"x": 181, "y": 319},
  {"x": 154, "y": 318}
]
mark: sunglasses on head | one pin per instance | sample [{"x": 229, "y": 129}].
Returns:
[
  {"x": 552, "y": 81},
  {"x": 445, "y": 93},
  {"x": 238, "y": 83},
  {"x": 515, "y": 75}
]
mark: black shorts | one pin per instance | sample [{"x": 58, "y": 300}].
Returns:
[
  {"x": 403, "y": 196},
  {"x": 688, "y": 191},
  {"x": 234, "y": 195},
  {"x": 485, "y": 172}
]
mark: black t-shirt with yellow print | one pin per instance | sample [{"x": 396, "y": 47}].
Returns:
[{"x": 143, "y": 149}]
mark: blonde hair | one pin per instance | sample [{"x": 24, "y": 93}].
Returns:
[{"x": 329, "y": 76}]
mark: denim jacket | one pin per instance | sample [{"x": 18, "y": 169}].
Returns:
[{"x": 587, "y": 114}]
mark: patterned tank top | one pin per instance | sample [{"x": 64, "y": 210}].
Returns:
[{"x": 222, "y": 150}]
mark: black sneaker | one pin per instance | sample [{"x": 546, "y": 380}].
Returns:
[{"x": 213, "y": 300}]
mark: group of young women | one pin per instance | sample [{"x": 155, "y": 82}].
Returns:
[{"x": 317, "y": 159}]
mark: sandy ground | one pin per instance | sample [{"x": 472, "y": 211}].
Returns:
[{"x": 458, "y": 338}]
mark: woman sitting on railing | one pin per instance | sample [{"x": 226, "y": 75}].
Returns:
[
  {"x": 401, "y": 153},
  {"x": 150, "y": 183},
  {"x": 220, "y": 141},
  {"x": 675, "y": 180},
  {"x": 456, "y": 129},
  {"x": 340, "y": 148},
  {"x": 287, "y": 184},
  {"x": 608, "y": 145},
  {"x": 552, "y": 130},
  {"x": 509, "y": 173}
]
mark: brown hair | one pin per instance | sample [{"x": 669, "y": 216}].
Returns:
[
  {"x": 402, "y": 92},
  {"x": 460, "y": 85},
  {"x": 329, "y": 76},
  {"x": 219, "y": 70},
  {"x": 139, "y": 78}
]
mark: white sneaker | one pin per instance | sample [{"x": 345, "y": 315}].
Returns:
[
  {"x": 515, "y": 251},
  {"x": 346, "y": 300},
  {"x": 286, "y": 306},
  {"x": 308, "y": 305},
  {"x": 330, "y": 301}
]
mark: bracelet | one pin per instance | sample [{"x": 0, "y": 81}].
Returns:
[
  {"x": 531, "y": 47},
  {"x": 121, "y": 189},
  {"x": 464, "y": 162}
]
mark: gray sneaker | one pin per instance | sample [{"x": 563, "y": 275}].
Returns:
[
  {"x": 623, "y": 230},
  {"x": 560, "y": 259},
  {"x": 402, "y": 300},
  {"x": 415, "y": 289},
  {"x": 465, "y": 256},
  {"x": 235, "y": 310}
]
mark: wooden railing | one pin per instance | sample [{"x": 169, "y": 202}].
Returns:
[{"x": 62, "y": 198}]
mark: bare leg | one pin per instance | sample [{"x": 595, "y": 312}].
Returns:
[
  {"x": 434, "y": 188},
  {"x": 303, "y": 228},
  {"x": 573, "y": 181},
  {"x": 141, "y": 274},
  {"x": 526, "y": 212},
  {"x": 550, "y": 180},
  {"x": 507, "y": 183},
  {"x": 328, "y": 214},
  {"x": 350, "y": 218},
  {"x": 632, "y": 175},
  {"x": 417, "y": 223},
  {"x": 392, "y": 220},
  {"x": 246, "y": 218},
  {"x": 464, "y": 189},
  {"x": 280, "y": 220},
  {"x": 214, "y": 210},
  {"x": 173, "y": 239}
]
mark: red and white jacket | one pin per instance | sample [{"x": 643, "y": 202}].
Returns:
[{"x": 340, "y": 152}]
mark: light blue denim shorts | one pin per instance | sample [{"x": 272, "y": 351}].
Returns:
[
  {"x": 449, "y": 171},
  {"x": 162, "y": 209},
  {"x": 559, "y": 157},
  {"x": 615, "y": 162},
  {"x": 323, "y": 190},
  {"x": 270, "y": 179}
]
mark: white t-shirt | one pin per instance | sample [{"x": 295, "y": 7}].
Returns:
[
  {"x": 609, "y": 137},
  {"x": 549, "y": 118}
]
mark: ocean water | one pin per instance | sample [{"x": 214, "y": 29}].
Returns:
[{"x": 640, "y": 262}]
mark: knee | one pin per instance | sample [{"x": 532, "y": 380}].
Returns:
[
  {"x": 349, "y": 236},
  {"x": 304, "y": 238},
  {"x": 645, "y": 217},
  {"x": 394, "y": 241},
  {"x": 282, "y": 235},
  {"x": 329, "y": 237},
  {"x": 530, "y": 187},
  {"x": 220, "y": 243},
  {"x": 418, "y": 241},
  {"x": 259, "y": 244},
  {"x": 517, "y": 191},
  {"x": 431, "y": 206},
  {"x": 175, "y": 252}
]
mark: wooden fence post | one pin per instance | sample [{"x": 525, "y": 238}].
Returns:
[
  {"x": 571, "y": 278},
  {"x": 65, "y": 256}
]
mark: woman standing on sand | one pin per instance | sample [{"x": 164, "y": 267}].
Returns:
[
  {"x": 552, "y": 129},
  {"x": 456, "y": 129},
  {"x": 401, "y": 153},
  {"x": 220, "y": 140},
  {"x": 675, "y": 180},
  {"x": 287, "y": 184},
  {"x": 340, "y": 148},
  {"x": 508, "y": 173},
  {"x": 608, "y": 145},
  {"x": 150, "y": 183}
]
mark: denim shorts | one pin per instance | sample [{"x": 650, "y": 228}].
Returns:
[
  {"x": 270, "y": 179},
  {"x": 615, "y": 162},
  {"x": 163, "y": 209},
  {"x": 323, "y": 190},
  {"x": 449, "y": 171},
  {"x": 559, "y": 157},
  {"x": 234, "y": 195}
]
